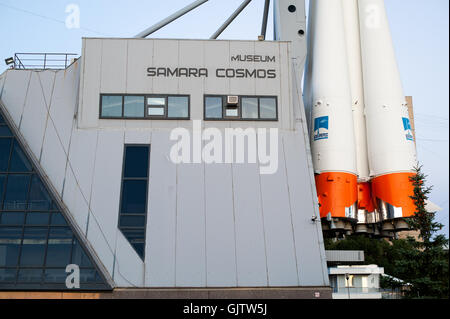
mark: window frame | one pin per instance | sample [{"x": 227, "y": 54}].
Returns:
[
  {"x": 146, "y": 107},
  {"x": 239, "y": 107},
  {"x": 145, "y": 214}
]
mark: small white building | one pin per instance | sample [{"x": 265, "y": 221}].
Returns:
[{"x": 356, "y": 282}]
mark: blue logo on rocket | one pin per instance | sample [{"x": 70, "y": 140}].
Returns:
[
  {"x": 321, "y": 128},
  {"x": 407, "y": 128}
]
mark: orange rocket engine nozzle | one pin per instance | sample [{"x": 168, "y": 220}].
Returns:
[
  {"x": 395, "y": 189},
  {"x": 336, "y": 191},
  {"x": 365, "y": 199}
]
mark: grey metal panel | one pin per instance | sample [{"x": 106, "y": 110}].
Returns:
[
  {"x": 90, "y": 83},
  {"x": 161, "y": 215},
  {"x": 129, "y": 267},
  {"x": 280, "y": 247},
  {"x": 34, "y": 118},
  {"x": 47, "y": 80},
  {"x": 53, "y": 159},
  {"x": 114, "y": 74},
  {"x": 63, "y": 103},
  {"x": 308, "y": 236},
  {"x": 105, "y": 198},
  {"x": 250, "y": 242},
  {"x": 220, "y": 226},
  {"x": 191, "y": 245},
  {"x": 15, "y": 91},
  {"x": 345, "y": 255}
]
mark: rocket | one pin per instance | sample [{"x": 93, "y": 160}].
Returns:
[{"x": 361, "y": 141}]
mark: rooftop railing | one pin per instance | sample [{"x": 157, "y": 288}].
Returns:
[{"x": 44, "y": 61}]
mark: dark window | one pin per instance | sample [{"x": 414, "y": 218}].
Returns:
[
  {"x": 36, "y": 242},
  {"x": 133, "y": 206},
  {"x": 157, "y": 107},
  {"x": 246, "y": 108}
]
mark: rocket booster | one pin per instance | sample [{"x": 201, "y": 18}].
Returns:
[
  {"x": 328, "y": 103},
  {"x": 391, "y": 148},
  {"x": 361, "y": 140}
]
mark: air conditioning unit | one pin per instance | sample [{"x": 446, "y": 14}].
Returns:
[{"x": 232, "y": 99}]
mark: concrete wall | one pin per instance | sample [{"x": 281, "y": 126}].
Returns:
[{"x": 209, "y": 225}]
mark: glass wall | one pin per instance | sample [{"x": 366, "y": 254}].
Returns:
[{"x": 36, "y": 241}]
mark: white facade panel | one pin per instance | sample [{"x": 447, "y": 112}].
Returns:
[
  {"x": 77, "y": 204},
  {"x": 220, "y": 226},
  {"x": 161, "y": 215},
  {"x": 250, "y": 240},
  {"x": 307, "y": 234},
  {"x": 191, "y": 239},
  {"x": 54, "y": 158},
  {"x": 128, "y": 266},
  {"x": 34, "y": 117},
  {"x": 107, "y": 182},
  {"x": 83, "y": 146},
  {"x": 280, "y": 247},
  {"x": 63, "y": 103},
  {"x": 47, "y": 81},
  {"x": 15, "y": 91}
]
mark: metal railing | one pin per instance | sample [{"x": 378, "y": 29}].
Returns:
[
  {"x": 43, "y": 61},
  {"x": 355, "y": 290}
]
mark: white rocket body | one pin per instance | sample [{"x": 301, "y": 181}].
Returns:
[
  {"x": 328, "y": 91},
  {"x": 351, "y": 23},
  {"x": 390, "y": 148}
]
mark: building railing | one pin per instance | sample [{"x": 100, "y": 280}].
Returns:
[
  {"x": 355, "y": 290},
  {"x": 44, "y": 61}
]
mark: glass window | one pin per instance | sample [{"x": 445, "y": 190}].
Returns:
[
  {"x": 19, "y": 162},
  {"x": 79, "y": 257},
  {"x": 249, "y": 108},
  {"x": 10, "y": 241},
  {"x": 2, "y": 187},
  {"x": 134, "y": 106},
  {"x": 5, "y": 131},
  {"x": 30, "y": 275},
  {"x": 58, "y": 219},
  {"x": 213, "y": 107},
  {"x": 25, "y": 251},
  {"x": 5, "y": 147},
  {"x": 156, "y": 111},
  {"x": 136, "y": 161},
  {"x": 178, "y": 106},
  {"x": 7, "y": 275},
  {"x": 134, "y": 196},
  {"x": 233, "y": 112},
  {"x": 16, "y": 192},
  {"x": 132, "y": 216},
  {"x": 156, "y": 101},
  {"x": 59, "y": 245},
  {"x": 37, "y": 218},
  {"x": 268, "y": 108},
  {"x": 12, "y": 218},
  {"x": 111, "y": 106},
  {"x": 132, "y": 221},
  {"x": 55, "y": 275},
  {"x": 33, "y": 247},
  {"x": 39, "y": 197}
]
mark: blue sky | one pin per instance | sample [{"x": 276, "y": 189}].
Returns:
[{"x": 419, "y": 30}]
